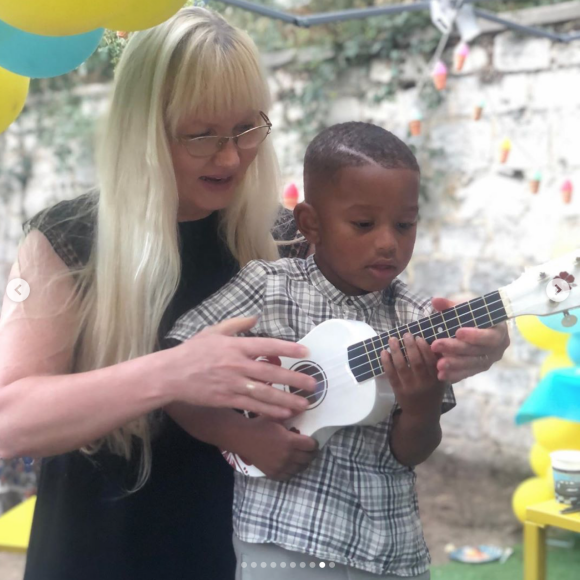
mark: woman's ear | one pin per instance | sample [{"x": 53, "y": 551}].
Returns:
[{"x": 307, "y": 221}]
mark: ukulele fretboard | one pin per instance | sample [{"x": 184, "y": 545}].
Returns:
[{"x": 365, "y": 357}]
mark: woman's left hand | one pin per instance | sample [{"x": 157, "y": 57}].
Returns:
[{"x": 472, "y": 351}]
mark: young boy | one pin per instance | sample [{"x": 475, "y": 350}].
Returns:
[{"x": 353, "y": 513}]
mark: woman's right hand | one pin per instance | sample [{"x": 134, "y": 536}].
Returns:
[{"x": 217, "y": 369}]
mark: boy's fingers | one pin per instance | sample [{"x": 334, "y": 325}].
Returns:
[
  {"x": 387, "y": 361},
  {"x": 398, "y": 359}
]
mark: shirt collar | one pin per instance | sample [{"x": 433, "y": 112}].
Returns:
[{"x": 327, "y": 289}]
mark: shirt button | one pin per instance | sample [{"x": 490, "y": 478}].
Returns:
[{"x": 349, "y": 302}]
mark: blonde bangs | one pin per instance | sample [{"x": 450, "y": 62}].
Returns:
[{"x": 215, "y": 76}]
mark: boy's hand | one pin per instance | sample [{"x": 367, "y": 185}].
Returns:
[
  {"x": 472, "y": 351},
  {"x": 276, "y": 451},
  {"x": 414, "y": 381}
]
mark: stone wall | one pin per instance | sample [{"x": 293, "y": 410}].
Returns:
[{"x": 480, "y": 226}]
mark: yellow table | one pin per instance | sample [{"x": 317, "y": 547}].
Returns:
[
  {"x": 15, "y": 526},
  {"x": 538, "y": 518}
]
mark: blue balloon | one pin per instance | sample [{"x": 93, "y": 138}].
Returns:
[
  {"x": 557, "y": 395},
  {"x": 573, "y": 349},
  {"x": 554, "y": 321},
  {"x": 36, "y": 56}
]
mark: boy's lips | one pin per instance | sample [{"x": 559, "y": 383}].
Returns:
[{"x": 382, "y": 269}]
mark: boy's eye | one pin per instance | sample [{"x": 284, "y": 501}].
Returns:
[
  {"x": 363, "y": 225},
  {"x": 406, "y": 225}
]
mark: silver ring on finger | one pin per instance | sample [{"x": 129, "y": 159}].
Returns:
[{"x": 251, "y": 387}]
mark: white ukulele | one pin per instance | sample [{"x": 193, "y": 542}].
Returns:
[{"x": 345, "y": 354}]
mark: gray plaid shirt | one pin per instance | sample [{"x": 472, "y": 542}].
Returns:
[{"x": 355, "y": 504}]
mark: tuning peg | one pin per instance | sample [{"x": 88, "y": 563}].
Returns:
[
  {"x": 569, "y": 319},
  {"x": 543, "y": 275}
]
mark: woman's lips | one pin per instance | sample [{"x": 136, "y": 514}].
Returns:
[{"x": 216, "y": 183}]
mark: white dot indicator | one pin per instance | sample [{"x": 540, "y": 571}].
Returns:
[
  {"x": 273, "y": 565},
  {"x": 440, "y": 330},
  {"x": 322, "y": 564},
  {"x": 18, "y": 290},
  {"x": 244, "y": 564},
  {"x": 292, "y": 564},
  {"x": 282, "y": 564},
  {"x": 263, "y": 564},
  {"x": 558, "y": 290},
  {"x": 254, "y": 564},
  {"x": 332, "y": 565}
]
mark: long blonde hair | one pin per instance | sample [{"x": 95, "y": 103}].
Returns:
[{"x": 193, "y": 64}]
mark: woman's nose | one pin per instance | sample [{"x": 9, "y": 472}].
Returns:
[{"x": 228, "y": 156}]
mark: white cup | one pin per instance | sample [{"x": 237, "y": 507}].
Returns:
[{"x": 566, "y": 470}]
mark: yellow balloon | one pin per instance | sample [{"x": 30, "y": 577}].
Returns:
[
  {"x": 59, "y": 17},
  {"x": 556, "y": 360},
  {"x": 142, "y": 14},
  {"x": 540, "y": 460},
  {"x": 531, "y": 491},
  {"x": 540, "y": 335},
  {"x": 14, "y": 89},
  {"x": 554, "y": 434},
  {"x": 549, "y": 479}
]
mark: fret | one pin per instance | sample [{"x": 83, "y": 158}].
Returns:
[
  {"x": 368, "y": 350},
  {"x": 496, "y": 307},
  {"x": 439, "y": 326},
  {"x": 451, "y": 321},
  {"x": 427, "y": 330},
  {"x": 466, "y": 316},
  {"x": 482, "y": 317},
  {"x": 415, "y": 329},
  {"x": 359, "y": 363},
  {"x": 376, "y": 351}
]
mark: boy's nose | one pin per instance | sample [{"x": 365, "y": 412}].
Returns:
[{"x": 385, "y": 241}]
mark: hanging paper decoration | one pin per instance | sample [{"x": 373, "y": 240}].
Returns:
[
  {"x": 535, "y": 182},
  {"x": 460, "y": 55},
  {"x": 506, "y": 147},
  {"x": 440, "y": 76},
  {"x": 290, "y": 196},
  {"x": 415, "y": 123},
  {"x": 478, "y": 110},
  {"x": 567, "y": 189}
]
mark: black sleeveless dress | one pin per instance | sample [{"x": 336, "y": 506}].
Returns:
[{"x": 179, "y": 525}]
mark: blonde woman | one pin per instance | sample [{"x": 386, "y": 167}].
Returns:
[{"x": 187, "y": 194}]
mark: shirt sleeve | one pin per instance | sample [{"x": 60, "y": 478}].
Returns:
[
  {"x": 244, "y": 295},
  {"x": 69, "y": 227}
]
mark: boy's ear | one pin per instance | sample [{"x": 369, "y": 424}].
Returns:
[{"x": 307, "y": 221}]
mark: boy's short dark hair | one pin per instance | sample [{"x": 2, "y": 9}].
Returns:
[{"x": 354, "y": 144}]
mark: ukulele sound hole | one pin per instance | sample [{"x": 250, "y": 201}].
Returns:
[{"x": 313, "y": 370}]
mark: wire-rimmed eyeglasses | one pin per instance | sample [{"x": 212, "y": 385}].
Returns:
[{"x": 211, "y": 144}]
